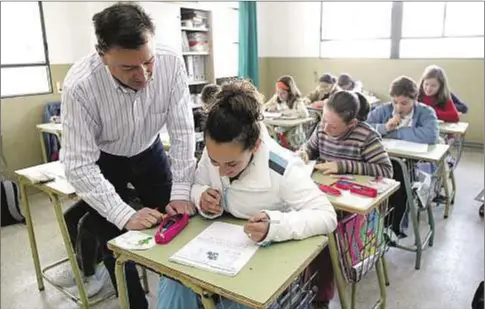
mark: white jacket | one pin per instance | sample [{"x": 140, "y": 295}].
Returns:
[{"x": 276, "y": 183}]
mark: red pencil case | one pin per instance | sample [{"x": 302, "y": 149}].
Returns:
[
  {"x": 170, "y": 227},
  {"x": 356, "y": 188}
]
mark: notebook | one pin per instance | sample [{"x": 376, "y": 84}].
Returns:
[{"x": 222, "y": 248}]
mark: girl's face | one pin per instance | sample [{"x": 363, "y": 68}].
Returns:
[
  {"x": 431, "y": 86},
  {"x": 325, "y": 88},
  {"x": 230, "y": 158},
  {"x": 282, "y": 94},
  {"x": 333, "y": 124},
  {"x": 346, "y": 86}
]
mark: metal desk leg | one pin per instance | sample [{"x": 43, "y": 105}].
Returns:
[
  {"x": 382, "y": 284},
  {"x": 419, "y": 242},
  {"x": 341, "y": 286},
  {"x": 42, "y": 146},
  {"x": 353, "y": 300},
  {"x": 121, "y": 282},
  {"x": 70, "y": 251},
  {"x": 384, "y": 269},
  {"x": 30, "y": 231},
  {"x": 444, "y": 175}
]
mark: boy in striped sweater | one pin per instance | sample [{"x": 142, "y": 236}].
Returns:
[{"x": 346, "y": 145}]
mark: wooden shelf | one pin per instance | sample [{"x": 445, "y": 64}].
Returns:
[{"x": 194, "y": 29}]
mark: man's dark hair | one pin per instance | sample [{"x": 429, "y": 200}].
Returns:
[
  {"x": 122, "y": 25},
  {"x": 404, "y": 86}
]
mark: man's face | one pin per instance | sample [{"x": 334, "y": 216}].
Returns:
[
  {"x": 132, "y": 67},
  {"x": 403, "y": 105}
]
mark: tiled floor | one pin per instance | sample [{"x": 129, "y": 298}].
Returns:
[{"x": 450, "y": 272}]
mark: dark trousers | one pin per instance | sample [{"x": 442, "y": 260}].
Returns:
[
  {"x": 149, "y": 172},
  {"x": 398, "y": 201}
]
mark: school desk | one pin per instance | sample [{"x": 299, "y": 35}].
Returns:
[
  {"x": 269, "y": 272},
  {"x": 436, "y": 154},
  {"x": 57, "y": 189},
  {"x": 348, "y": 206},
  {"x": 457, "y": 131},
  {"x": 48, "y": 128}
]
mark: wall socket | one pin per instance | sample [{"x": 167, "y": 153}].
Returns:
[{"x": 58, "y": 87}]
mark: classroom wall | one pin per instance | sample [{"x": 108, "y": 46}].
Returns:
[
  {"x": 293, "y": 48},
  {"x": 283, "y": 49}
]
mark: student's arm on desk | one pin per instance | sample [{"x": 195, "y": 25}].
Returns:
[
  {"x": 80, "y": 154},
  {"x": 378, "y": 118},
  {"x": 202, "y": 182},
  {"x": 426, "y": 132},
  {"x": 271, "y": 104},
  {"x": 301, "y": 109},
  {"x": 311, "y": 146},
  {"x": 311, "y": 212},
  {"x": 376, "y": 160}
]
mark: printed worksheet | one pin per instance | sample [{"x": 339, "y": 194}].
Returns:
[
  {"x": 221, "y": 248},
  {"x": 404, "y": 146}
]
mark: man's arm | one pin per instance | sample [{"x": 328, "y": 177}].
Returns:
[
  {"x": 180, "y": 127},
  {"x": 79, "y": 154}
]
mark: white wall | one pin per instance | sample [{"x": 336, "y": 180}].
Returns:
[
  {"x": 70, "y": 32},
  {"x": 288, "y": 29}
]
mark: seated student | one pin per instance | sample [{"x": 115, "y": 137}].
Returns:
[
  {"x": 326, "y": 87},
  {"x": 345, "y": 141},
  {"x": 346, "y": 82},
  {"x": 288, "y": 101},
  {"x": 244, "y": 172},
  {"x": 404, "y": 118},
  {"x": 207, "y": 95},
  {"x": 347, "y": 145},
  {"x": 435, "y": 92}
]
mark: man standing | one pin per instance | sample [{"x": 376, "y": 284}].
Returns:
[{"x": 115, "y": 102}]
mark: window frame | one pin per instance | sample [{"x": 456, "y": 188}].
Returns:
[
  {"x": 397, "y": 12},
  {"x": 45, "y": 64}
]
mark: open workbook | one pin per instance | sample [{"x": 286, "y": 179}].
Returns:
[{"x": 222, "y": 248}]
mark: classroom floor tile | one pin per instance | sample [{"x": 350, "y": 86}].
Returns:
[{"x": 449, "y": 275}]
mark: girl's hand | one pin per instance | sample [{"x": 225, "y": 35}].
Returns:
[{"x": 327, "y": 168}]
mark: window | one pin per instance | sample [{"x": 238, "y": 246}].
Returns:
[
  {"x": 356, "y": 29},
  {"x": 402, "y": 30},
  {"x": 442, "y": 30},
  {"x": 24, "y": 62}
]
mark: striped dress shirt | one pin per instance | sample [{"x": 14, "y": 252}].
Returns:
[
  {"x": 360, "y": 151},
  {"x": 98, "y": 114}
]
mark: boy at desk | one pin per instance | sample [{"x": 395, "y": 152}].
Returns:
[
  {"x": 346, "y": 145},
  {"x": 288, "y": 101},
  {"x": 244, "y": 172},
  {"x": 406, "y": 119}
]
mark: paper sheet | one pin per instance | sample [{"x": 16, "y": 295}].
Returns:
[
  {"x": 221, "y": 248},
  {"x": 404, "y": 146}
]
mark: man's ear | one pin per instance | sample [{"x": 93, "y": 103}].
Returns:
[{"x": 101, "y": 54}]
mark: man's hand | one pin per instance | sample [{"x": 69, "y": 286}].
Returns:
[
  {"x": 393, "y": 123},
  {"x": 144, "y": 218},
  {"x": 180, "y": 207},
  {"x": 257, "y": 227},
  {"x": 210, "y": 202},
  {"x": 327, "y": 168}
]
